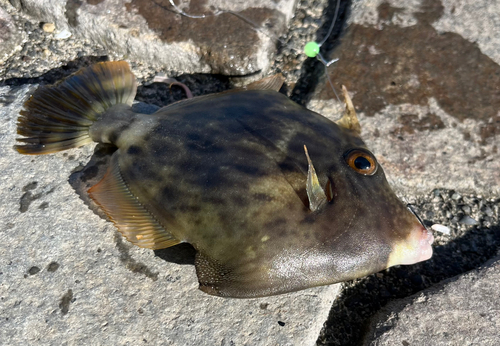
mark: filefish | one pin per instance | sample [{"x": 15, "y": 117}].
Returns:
[{"x": 274, "y": 197}]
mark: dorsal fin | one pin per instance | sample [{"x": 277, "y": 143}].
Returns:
[
  {"x": 131, "y": 218},
  {"x": 349, "y": 120},
  {"x": 269, "y": 83},
  {"x": 317, "y": 196}
]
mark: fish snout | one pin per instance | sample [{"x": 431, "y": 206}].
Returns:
[
  {"x": 425, "y": 245},
  {"x": 417, "y": 247}
]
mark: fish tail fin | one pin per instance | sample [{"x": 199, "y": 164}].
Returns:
[{"x": 58, "y": 117}]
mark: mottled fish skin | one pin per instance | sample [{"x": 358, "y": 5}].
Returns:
[
  {"x": 228, "y": 173},
  {"x": 219, "y": 172}
]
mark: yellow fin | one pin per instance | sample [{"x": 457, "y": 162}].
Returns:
[
  {"x": 131, "y": 218},
  {"x": 317, "y": 196},
  {"x": 269, "y": 83},
  {"x": 349, "y": 120}
]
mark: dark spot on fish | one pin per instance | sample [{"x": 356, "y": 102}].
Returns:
[
  {"x": 281, "y": 323},
  {"x": 99, "y": 249},
  {"x": 239, "y": 201},
  {"x": 262, "y": 197},
  {"x": 264, "y": 306},
  {"x": 168, "y": 193},
  {"x": 193, "y": 136},
  {"x": 43, "y": 206},
  {"x": 71, "y": 157},
  {"x": 52, "y": 267},
  {"x": 423, "y": 64},
  {"x": 30, "y": 186},
  {"x": 147, "y": 171},
  {"x": 277, "y": 223},
  {"x": 66, "y": 299},
  {"x": 250, "y": 170},
  {"x": 188, "y": 208},
  {"x": 206, "y": 146},
  {"x": 130, "y": 263},
  {"x": 33, "y": 270},
  {"x": 310, "y": 218},
  {"x": 214, "y": 200},
  {"x": 140, "y": 311},
  {"x": 71, "y": 12},
  {"x": 134, "y": 150},
  {"x": 10, "y": 225}
]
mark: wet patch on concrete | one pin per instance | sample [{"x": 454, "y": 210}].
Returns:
[
  {"x": 28, "y": 197},
  {"x": 66, "y": 300},
  {"x": 130, "y": 263},
  {"x": 410, "y": 122},
  {"x": 219, "y": 37},
  {"x": 43, "y": 206},
  {"x": 52, "y": 267},
  {"x": 72, "y": 7},
  {"x": 34, "y": 270},
  {"x": 410, "y": 65}
]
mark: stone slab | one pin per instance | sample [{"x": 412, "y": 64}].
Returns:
[
  {"x": 68, "y": 277},
  {"x": 156, "y": 34},
  {"x": 424, "y": 79},
  {"x": 464, "y": 310},
  {"x": 11, "y": 37}
]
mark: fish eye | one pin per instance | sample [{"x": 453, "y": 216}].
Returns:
[{"x": 362, "y": 161}]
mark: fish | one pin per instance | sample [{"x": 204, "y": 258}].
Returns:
[{"x": 273, "y": 197}]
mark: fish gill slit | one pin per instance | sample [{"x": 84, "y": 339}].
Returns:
[{"x": 350, "y": 221}]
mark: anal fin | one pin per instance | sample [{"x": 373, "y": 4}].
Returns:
[{"x": 131, "y": 218}]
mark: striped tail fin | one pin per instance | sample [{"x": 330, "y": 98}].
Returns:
[{"x": 58, "y": 117}]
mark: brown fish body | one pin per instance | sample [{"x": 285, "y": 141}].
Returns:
[{"x": 227, "y": 173}]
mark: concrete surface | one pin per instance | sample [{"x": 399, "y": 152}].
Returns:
[
  {"x": 154, "y": 32},
  {"x": 464, "y": 310},
  {"x": 424, "y": 79},
  {"x": 11, "y": 37}
]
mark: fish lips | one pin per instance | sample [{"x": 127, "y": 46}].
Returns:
[{"x": 417, "y": 247}]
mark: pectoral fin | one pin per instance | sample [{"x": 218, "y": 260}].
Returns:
[
  {"x": 317, "y": 196},
  {"x": 131, "y": 218}
]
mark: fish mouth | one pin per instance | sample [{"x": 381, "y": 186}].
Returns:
[
  {"x": 425, "y": 245},
  {"x": 416, "y": 248}
]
